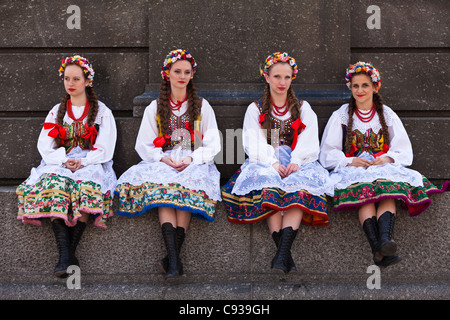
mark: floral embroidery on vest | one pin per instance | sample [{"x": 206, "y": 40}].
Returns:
[
  {"x": 181, "y": 131},
  {"x": 74, "y": 136},
  {"x": 370, "y": 142},
  {"x": 286, "y": 132}
]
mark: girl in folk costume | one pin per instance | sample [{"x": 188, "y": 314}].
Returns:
[
  {"x": 368, "y": 149},
  {"x": 75, "y": 178},
  {"x": 281, "y": 180},
  {"x": 177, "y": 141}
]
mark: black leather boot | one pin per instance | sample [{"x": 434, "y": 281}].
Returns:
[
  {"x": 61, "y": 232},
  {"x": 276, "y": 236},
  {"x": 162, "y": 264},
  {"x": 280, "y": 261},
  {"x": 75, "y": 236},
  {"x": 386, "y": 228},
  {"x": 370, "y": 227},
  {"x": 169, "y": 235}
]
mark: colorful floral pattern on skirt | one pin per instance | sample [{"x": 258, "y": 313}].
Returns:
[
  {"x": 261, "y": 204},
  {"x": 414, "y": 199},
  {"x": 136, "y": 200},
  {"x": 61, "y": 197}
]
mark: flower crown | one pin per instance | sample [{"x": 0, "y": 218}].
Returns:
[
  {"x": 367, "y": 68},
  {"x": 80, "y": 61},
  {"x": 173, "y": 57},
  {"x": 277, "y": 57}
]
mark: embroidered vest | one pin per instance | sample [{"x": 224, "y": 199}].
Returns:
[
  {"x": 283, "y": 127},
  {"x": 74, "y": 136},
  {"x": 182, "y": 131},
  {"x": 371, "y": 142}
]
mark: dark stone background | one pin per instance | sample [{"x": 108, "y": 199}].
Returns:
[{"x": 127, "y": 42}]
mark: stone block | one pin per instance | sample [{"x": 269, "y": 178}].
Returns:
[
  {"x": 19, "y": 144},
  {"x": 33, "y": 84},
  {"x": 412, "y": 81},
  {"x": 102, "y": 24},
  {"x": 412, "y": 24},
  {"x": 431, "y": 146},
  {"x": 230, "y": 40}
]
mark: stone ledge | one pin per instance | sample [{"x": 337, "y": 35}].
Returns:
[
  {"x": 205, "y": 289},
  {"x": 130, "y": 246}
]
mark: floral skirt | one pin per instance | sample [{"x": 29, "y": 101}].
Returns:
[
  {"x": 414, "y": 199},
  {"x": 136, "y": 200},
  {"x": 61, "y": 197},
  {"x": 261, "y": 204}
]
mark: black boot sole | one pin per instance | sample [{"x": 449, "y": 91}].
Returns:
[
  {"x": 279, "y": 271},
  {"x": 171, "y": 277},
  {"x": 292, "y": 271},
  {"x": 159, "y": 266},
  {"x": 395, "y": 261},
  {"x": 61, "y": 274},
  {"x": 388, "y": 249}
]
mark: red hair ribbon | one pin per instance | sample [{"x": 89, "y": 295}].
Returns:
[
  {"x": 298, "y": 126},
  {"x": 262, "y": 118},
  {"x": 159, "y": 142},
  {"x": 352, "y": 151},
  {"x": 193, "y": 132},
  {"x": 57, "y": 130},
  {"x": 91, "y": 132}
]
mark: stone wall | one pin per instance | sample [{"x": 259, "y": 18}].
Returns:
[{"x": 127, "y": 42}]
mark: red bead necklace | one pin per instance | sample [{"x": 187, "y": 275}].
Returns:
[
  {"x": 87, "y": 106},
  {"x": 176, "y": 106},
  {"x": 366, "y": 117},
  {"x": 278, "y": 111}
]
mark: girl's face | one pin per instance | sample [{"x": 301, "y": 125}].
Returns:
[
  {"x": 279, "y": 78},
  {"x": 74, "y": 80},
  {"x": 362, "y": 89},
  {"x": 180, "y": 74}
]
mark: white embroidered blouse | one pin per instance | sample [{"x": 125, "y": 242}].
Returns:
[{"x": 331, "y": 149}]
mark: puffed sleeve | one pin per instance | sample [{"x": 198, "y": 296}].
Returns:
[
  {"x": 46, "y": 145},
  {"x": 211, "y": 144},
  {"x": 400, "y": 148},
  {"x": 254, "y": 140},
  {"x": 331, "y": 155},
  {"x": 307, "y": 148},
  {"x": 105, "y": 141},
  {"x": 148, "y": 131}
]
